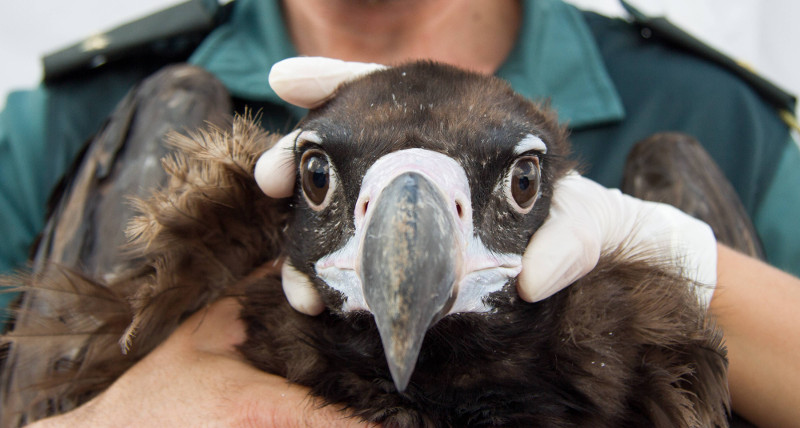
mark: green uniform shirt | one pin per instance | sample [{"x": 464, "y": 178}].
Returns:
[{"x": 609, "y": 83}]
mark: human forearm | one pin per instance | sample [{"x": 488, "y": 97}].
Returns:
[
  {"x": 757, "y": 308},
  {"x": 196, "y": 378}
]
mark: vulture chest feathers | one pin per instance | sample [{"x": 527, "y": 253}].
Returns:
[{"x": 417, "y": 190}]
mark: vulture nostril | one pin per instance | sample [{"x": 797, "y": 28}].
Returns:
[
  {"x": 360, "y": 210},
  {"x": 459, "y": 210}
]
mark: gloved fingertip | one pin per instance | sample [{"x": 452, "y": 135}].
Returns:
[
  {"x": 310, "y": 81},
  {"x": 529, "y": 289},
  {"x": 275, "y": 169},
  {"x": 538, "y": 281},
  {"x": 300, "y": 292},
  {"x": 556, "y": 257}
]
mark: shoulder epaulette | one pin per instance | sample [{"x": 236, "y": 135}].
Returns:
[
  {"x": 161, "y": 33},
  {"x": 661, "y": 28}
]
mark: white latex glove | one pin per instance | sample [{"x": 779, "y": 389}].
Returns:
[
  {"x": 587, "y": 220},
  {"x": 309, "y": 81}
]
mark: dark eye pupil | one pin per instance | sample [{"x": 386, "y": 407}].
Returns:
[
  {"x": 315, "y": 177},
  {"x": 525, "y": 179},
  {"x": 523, "y": 183},
  {"x": 320, "y": 177}
]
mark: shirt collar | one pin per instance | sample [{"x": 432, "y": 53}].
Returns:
[
  {"x": 555, "y": 58},
  {"x": 241, "y": 51}
]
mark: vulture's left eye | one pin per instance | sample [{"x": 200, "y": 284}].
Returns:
[
  {"x": 316, "y": 178},
  {"x": 523, "y": 181}
]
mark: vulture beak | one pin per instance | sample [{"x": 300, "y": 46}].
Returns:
[
  {"x": 414, "y": 257},
  {"x": 409, "y": 260}
]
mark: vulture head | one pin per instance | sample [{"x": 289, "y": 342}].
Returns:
[{"x": 418, "y": 188}]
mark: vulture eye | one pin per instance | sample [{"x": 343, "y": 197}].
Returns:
[
  {"x": 523, "y": 183},
  {"x": 316, "y": 178}
]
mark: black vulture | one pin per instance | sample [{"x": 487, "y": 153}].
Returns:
[{"x": 417, "y": 190}]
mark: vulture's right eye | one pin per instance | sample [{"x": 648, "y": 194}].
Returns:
[
  {"x": 523, "y": 183},
  {"x": 317, "y": 178}
]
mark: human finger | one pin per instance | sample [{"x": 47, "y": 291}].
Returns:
[{"x": 310, "y": 81}]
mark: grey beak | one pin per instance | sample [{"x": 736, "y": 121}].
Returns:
[{"x": 408, "y": 267}]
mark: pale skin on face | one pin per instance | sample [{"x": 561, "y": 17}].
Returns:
[{"x": 473, "y": 34}]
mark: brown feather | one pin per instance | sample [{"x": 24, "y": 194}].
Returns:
[{"x": 195, "y": 234}]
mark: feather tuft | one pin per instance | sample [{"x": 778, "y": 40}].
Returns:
[{"x": 193, "y": 240}]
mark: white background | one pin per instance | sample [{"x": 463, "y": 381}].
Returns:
[
  {"x": 31, "y": 28},
  {"x": 762, "y": 33}
]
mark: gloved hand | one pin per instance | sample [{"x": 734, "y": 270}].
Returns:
[{"x": 586, "y": 220}]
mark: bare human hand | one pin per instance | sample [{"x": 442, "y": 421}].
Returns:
[{"x": 197, "y": 378}]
